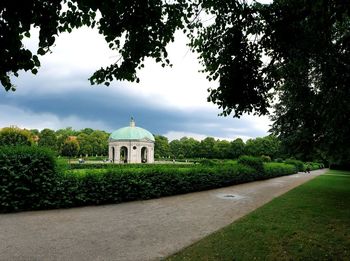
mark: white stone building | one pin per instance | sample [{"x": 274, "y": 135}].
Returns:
[{"x": 131, "y": 145}]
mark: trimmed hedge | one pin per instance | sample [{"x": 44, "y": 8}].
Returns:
[
  {"x": 120, "y": 166},
  {"x": 314, "y": 165},
  {"x": 273, "y": 169},
  {"x": 256, "y": 163},
  {"x": 28, "y": 178},
  {"x": 117, "y": 185},
  {"x": 297, "y": 163}
]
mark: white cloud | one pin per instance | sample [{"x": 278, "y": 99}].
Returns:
[{"x": 180, "y": 89}]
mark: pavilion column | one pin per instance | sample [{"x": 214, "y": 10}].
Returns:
[
  {"x": 110, "y": 153},
  {"x": 116, "y": 154}
]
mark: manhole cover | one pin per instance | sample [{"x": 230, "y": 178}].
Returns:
[{"x": 229, "y": 196}]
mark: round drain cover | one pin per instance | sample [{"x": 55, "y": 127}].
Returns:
[{"x": 229, "y": 196}]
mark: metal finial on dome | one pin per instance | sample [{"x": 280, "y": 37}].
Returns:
[{"x": 132, "y": 122}]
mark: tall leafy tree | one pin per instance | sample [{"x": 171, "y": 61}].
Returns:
[
  {"x": 223, "y": 149},
  {"x": 161, "y": 147},
  {"x": 176, "y": 149},
  {"x": 145, "y": 26},
  {"x": 208, "y": 149},
  {"x": 85, "y": 144},
  {"x": 12, "y": 136},
  {"x": 297, "y": 51},
  {"x": 70, "y": 148},
  {"x": 268, "y": 146},
  {"x": 189, "y": 147},
  {"x": 99, "y": 142},
  {"x": 237, "y": 148},
  {"x": 47, "y": 138}
]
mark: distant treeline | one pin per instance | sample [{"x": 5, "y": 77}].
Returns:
[
  {"x": 211, "y": 148},
  {"x": 65, "y": 142},
  {"x": 70, "y": 142}
]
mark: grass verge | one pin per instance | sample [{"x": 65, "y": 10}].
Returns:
[{"x": 311, "y": 222}]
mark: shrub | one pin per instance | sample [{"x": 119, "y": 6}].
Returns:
[
  {"x": 13, "y": 136},
  {"x": 297, "y": 163},
  {"x": 122, "y": 166},
  {"x": 278, "y": 160},
  {"x": 118, "y": 185},
  {"x": 314, "y": 165},
  {"x": 266, "y": 158},
  {"x": 274, "y": 169},
  {"x": 33, "y": 173},
  {"x": 209, "y": 162},
  {"x": 28, "y": 178},
  {"x": 253, "y": 162}
]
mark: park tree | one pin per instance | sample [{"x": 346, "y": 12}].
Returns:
[
  {"x": 268, "y": 146},
  {"x": 87, "y": 131},
  {"x": 146, "y": 27},
  {"x": 176, "y": 149},
  {"x": 47, "y": 138},
  {"x": 61, "y": 138},
  {"x": 207, "y": 148},
  {"x": 99, "y": 142},
  {"x": 85, "y": 144},
  {"x": 223, "y": 148},
  {"x": 35, "y": 132},
  {"x": 68, "y": 131},
  {"x": 161, "y": 147},
  {"x": 70, "y": 148},
  {"x": 237, "y": 148},
  {"x": 289, "y": 55},
  {"x": 13, "y": 136},
  {"x": 189, "y": 147}
]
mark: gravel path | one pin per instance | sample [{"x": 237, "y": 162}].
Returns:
[{"x": 141, "y": 230}]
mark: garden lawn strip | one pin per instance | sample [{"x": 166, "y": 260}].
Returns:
[{"x": 311, "y": 222}]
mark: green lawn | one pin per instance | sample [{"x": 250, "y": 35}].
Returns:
[{"x": 311, "y": 222}]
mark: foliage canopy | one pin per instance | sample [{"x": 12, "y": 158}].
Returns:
[{"x": 297, "y": 51}]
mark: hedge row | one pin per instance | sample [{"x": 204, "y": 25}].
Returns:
[
  {"x": 30, "y": 180},
  {"x": 119, "y": 166}
]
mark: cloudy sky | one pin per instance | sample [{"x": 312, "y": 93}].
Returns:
[{"x": 167, "y": 101}]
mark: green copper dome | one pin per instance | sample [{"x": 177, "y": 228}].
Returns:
[{"x": 131, "y": 133}]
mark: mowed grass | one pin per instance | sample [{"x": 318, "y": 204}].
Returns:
[{"x": 311, "y": 222}]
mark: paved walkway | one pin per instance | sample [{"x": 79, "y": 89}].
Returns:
[{"x": 141, "y": 230}]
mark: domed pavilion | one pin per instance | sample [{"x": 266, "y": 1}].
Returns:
[{"x": 131, "y": 145}]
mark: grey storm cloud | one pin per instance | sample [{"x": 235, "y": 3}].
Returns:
[{"x": 114, "y": 108}]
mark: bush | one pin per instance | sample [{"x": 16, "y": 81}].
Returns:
[
  {"x": 209, "y": 162},
  {"x": 13, "y": 136},
  {"x": 314, "y": 165},
  {"x": 253, "y": 162},
  {"x": 266, "y": 158},
  {"x": 274, "y": 169},
  {"x": 115, "y": 185},
  {"x": 41, "y": 186},
  {"x": 28, "y": 178},
  {"x": 297, "y": 163},
  {"x": 122, "y": 166}
]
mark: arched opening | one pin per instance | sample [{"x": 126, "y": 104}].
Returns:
[
  {"x": 124, "y": 154},
  {"x": 144, "y": 155},
  {"x": 113, "y": 154}
]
